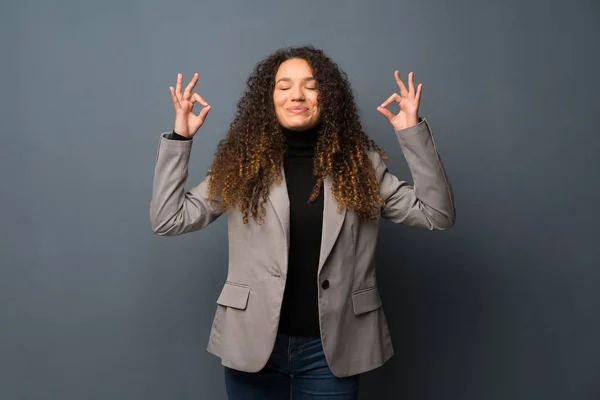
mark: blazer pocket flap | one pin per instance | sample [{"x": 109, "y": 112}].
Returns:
[
  {"x": 234, "y": 296},
  {"x": 366, "y": 300}
]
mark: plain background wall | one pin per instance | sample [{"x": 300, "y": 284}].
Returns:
[{"x": 503, "y": 306}]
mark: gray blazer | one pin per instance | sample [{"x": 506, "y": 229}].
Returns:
[{"x": 353, "y": 324}]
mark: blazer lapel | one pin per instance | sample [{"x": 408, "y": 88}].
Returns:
[
  {"x": 332, "y": 219},
  {"x": 332, "y": 222},
  {"x": 278, "y": 196}
]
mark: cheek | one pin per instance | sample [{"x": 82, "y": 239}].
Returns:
[
  {"x": 315, "y": 101},
  {"x": 317, "y": 107},
  {"x": 279, "y": 102}
]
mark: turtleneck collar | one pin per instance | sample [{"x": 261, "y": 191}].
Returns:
[{"x": 302, "y": 143}]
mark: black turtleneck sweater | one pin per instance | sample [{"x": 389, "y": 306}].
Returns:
[{"x": 299, "y": 311}]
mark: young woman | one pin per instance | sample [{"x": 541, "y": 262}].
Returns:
[{"x": 304, "y": 189}]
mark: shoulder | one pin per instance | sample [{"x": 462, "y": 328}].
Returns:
[{"x": 376, "y": 161}]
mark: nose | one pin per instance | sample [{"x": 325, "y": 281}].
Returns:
[{"x": 297, "y": 94}]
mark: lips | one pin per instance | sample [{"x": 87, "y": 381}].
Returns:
[{"x": 297, "y": 110}]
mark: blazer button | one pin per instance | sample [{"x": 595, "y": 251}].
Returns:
[{"x": 325, "y": 284}]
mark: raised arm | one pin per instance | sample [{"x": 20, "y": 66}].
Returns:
[
  {"x": 173, "y": 210},
  {"x": 429, "y": 201}
]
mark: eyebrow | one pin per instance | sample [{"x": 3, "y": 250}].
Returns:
[{"x": 308, "y": 78}]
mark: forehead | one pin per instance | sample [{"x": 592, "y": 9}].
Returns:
[{"x": 294, "y": 68}]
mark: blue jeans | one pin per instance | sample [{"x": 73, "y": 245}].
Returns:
[{"x": 296, "y": 370}]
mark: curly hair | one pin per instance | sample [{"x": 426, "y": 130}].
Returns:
[{"x": 249, "y": 159}]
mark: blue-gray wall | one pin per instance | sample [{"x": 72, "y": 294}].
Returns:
[{"x": 504, "y": 306}]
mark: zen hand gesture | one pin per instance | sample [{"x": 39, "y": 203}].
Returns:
[
  {"x": 408, "y": 100},
  {"x": 186, "y": 122}
]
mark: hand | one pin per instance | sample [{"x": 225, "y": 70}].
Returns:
[
  {"x": 408, "y": 100},
  {"x": 186, "y": 122}
]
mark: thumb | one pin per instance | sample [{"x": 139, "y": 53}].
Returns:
[
  {"x": 386, "y": 113},
  {"x": 203, "y": 113}
]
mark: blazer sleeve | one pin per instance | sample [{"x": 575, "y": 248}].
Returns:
[
  {"x": 174, "y": 211},
  {"x": 429, "y": 202}
]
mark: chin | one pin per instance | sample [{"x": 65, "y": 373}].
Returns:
[{"x": 299, "y": 126}]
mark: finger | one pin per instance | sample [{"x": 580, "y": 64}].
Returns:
[
  {"x": 403, "y": 90},
  {"x": 178, "y": 87},
  {"x": 393, "y": 98},
  {"x": 411, "y": 82},
  {"x": 419, "y": 90},
  {"x": 203, "y": 113},
  {"x": 386, "y": 113},
  {"x": 176, "y": 103},
  {"x": 188, "y": 90},
  {"x": 196, "y": 98}
]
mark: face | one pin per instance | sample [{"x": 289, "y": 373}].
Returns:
[{"x": 295, "y": 96}]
